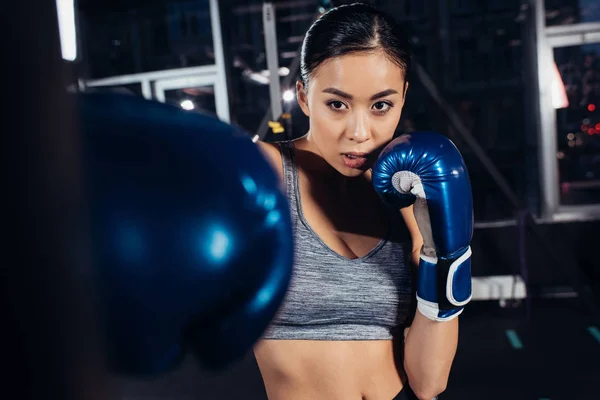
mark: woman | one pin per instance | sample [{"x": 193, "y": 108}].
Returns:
[{"x": 342, "y": 330}]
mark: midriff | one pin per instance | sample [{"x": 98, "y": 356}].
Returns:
[{"x": 329, "y": 370}]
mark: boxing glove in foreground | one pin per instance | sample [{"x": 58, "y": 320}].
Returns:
[
  {"x": 427, "y": 170},
  {"x": 191, "y": 236}
]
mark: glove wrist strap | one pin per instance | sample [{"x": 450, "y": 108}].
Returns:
[{"x": 431, "y": 311}]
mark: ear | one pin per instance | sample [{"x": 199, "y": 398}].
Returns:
[{"x": 302, "y": 98}]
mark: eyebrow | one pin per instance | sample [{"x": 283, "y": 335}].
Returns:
[{"x": 348, "y": 96}]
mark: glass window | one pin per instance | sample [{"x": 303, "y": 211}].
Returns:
[
  {"x": 478, "y": 69},
  {"x": 153, "y": 37},
  {"x": 565, "y": 12},
  {"x": 578, "y": 124}
]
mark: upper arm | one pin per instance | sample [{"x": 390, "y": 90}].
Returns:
[{"x": 273, "y": 156}]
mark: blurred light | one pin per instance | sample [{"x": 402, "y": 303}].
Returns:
[
  {"x": 256, "y": 77},
  {"x": 571, "y": 143},
  {"x": 597, "y": 127},
  {"x": 249, "y": 184},
  {"x": 268, "y": 201},
  {"x": 557, "y": 89},
  {"x": 586, "y": 121},
  {"x": 591, "y": 131},
  {"x": 591, "y": 107},
  {"x": 584, "y": 128},
  {"x": 217, "y": 244},
  {"x": 263, "y": 297},
  {"x": 187, "y": 105},
  {"x": 268, "y": 290},
  {"x": 560, "y": 155},
  {"x": 272, "y": 218},
  {"x": 578, "y": 142},
  {"x": 288, "y": 95},
  {"x": 65, "y": 10},
  {"x": 283, "y": 71},
  {"x": 570, "y": 136}
]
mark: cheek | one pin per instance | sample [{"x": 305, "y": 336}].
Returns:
[
  {"x": 387, "y": 126},
  {"x": 325, "y": 125}
]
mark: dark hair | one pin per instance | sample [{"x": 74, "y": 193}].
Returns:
[{"x": 353, "y": 28}]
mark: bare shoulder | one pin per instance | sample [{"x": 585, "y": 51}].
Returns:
[{"x": 273, "y": 156}]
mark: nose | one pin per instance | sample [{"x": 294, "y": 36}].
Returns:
[{"x": 359, "y": 129}]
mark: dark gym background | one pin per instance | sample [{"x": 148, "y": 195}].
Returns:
[{"x": 514, "y": 83}]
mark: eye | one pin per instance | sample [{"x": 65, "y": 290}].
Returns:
[
  {"x": 336, "y": 105},
  {"x": 382, "y": 106}
]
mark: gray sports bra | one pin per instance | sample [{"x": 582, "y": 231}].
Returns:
[{"x": 332, "y": 297}]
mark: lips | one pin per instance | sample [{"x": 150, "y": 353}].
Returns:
[{"x": 354, "y": 160}]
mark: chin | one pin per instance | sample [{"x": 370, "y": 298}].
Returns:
[{"x": 351, "y": 172}]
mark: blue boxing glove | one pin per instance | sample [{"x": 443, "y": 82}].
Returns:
[
  {"x": 427, "y": 170},
  {"x": 191, "y": 236}
]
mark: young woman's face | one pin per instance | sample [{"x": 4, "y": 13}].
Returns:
[{"x": 354, "y": 104}]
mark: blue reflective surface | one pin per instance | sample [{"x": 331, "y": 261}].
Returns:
[
  {"x": 217, "y": 244},
  {"x": 188, "y": 220},
  {"x": 439, "y": 164}
]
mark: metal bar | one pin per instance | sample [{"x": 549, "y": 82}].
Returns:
[
  {"x": 152, "y": 76},
  {"x": 263, "y": 128},
  {"x": 296, "y": 39},
  {"x": 495, "y": 224},
  {"x": 221, "y": 93},
  {"x": 272, "y": 59},
  {"x": 577, "y": 213},
  {"x": 562, "y": 30},
  {"x": 146, "y": 90},
  {"x": 289, "y": 54},
  {"x": 294, "y": 68},
  {"x": 546, "y": 127},
  {"x": 574, "y": 39},
  {"x": 186, "y": 82}
]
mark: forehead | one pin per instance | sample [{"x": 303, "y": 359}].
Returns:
[{"x": 360, "y": 73}]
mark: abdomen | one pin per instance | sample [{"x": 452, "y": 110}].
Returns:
[{"x": 307, "y": 369}]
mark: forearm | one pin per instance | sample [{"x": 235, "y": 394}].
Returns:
[{"x": 428, "y": 355}]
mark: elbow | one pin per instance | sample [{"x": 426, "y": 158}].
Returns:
[
  {"x": 428, "y": 391},
  {"x": 427, "y": 387}
]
